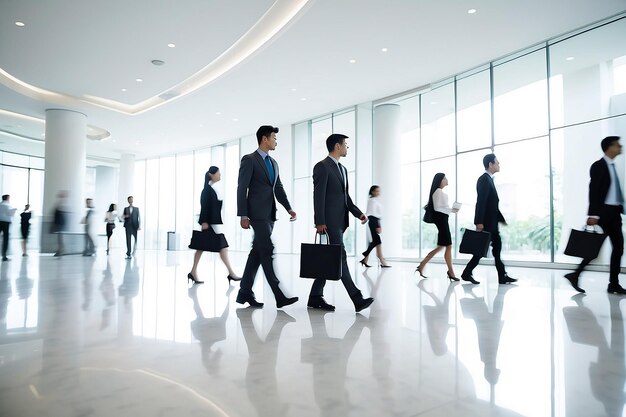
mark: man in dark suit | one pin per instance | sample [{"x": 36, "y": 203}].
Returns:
[
  {"x": 331, "y": 204},
  {"x": 131, "y": 224},
  {"x": 258, "y": 188},
  {"x": 606, "y": 205},
  {"x": 487, "y": 217}
]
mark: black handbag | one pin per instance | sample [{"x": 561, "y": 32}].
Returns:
[
  {"x": 318, "y": 260},
  {"x": 584, "y": 243},
  {"x": 475, "y": 243},
  {"x": 207, "y": 240},
  {"x": 429, "y": 215}
]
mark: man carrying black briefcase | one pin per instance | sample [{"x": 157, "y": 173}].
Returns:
[{"x": 606, "y": 205}]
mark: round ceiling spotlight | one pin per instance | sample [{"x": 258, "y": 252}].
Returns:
[{"x": 157, "y": 62}]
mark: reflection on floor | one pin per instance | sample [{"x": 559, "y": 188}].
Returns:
[{"x": 102, "y": 336}]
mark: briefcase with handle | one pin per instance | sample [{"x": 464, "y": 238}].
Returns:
[{"x": 319, "y": 260}]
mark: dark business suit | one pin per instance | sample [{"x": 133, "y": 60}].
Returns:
[
  {"x": 610, "y": 217},
  {"x": 131, "y": 224},
  {"x": 331, "y": 204},
  {"x": 210, "y": 207},
  {"x": 256, "y": 199},
  {"x": 488, "y": 214}
]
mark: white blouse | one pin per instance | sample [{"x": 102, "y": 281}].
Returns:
[
  {"x": 440, "y": 202},
  {"x": 374, "y": 207},
  {"x": 111, "y": 216}
]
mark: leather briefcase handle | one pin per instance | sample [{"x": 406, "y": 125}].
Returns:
[
  {"x": 320, "y": 235},
  {"x": 593, "y": 228}
]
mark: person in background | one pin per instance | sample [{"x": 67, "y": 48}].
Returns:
[
  {"x": 110, "y": 218},
  {"x": 90, "y": 245},
  {"x": 59, "y": 221},
  {"x": 25, "y": 227},
  {"x": 438, "y": 203},
  {"x": 374, "y": 214},
  {"x": 6, "y": 215},
  {"x": 132, "y": 224}
]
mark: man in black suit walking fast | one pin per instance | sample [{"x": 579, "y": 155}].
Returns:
[
  {"x": 487, "y": 217},
  {"x": 132, "y": 225},
  {"x": 331, "y": 204},
  {"x": 258, "y": 188},
  {"x": 606, "y": 205}
]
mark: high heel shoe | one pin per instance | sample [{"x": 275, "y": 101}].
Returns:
[
  {"x": 384, "y": 265},
  {"x": 362, "y": 262},
  {"x": 232, "y": 278},
  {"x": 451, "y": 278},
  {"x": 418, "y": 269},
  {"x": 192, "y": 278}
]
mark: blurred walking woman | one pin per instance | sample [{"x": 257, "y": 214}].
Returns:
[
  {"x": 110, "y": 218},
  {"x": 210, "y": 216},
  {"x": 374, "y": 214},
  {"x": 25, "y": 227},
  {"x": 440, "y": 211}
]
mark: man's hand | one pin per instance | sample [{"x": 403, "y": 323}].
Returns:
[
  {"x": 480, "y": 227},
  {"x": 363, "y": 219},
  {"x": 592, "y": 221},
  {"x": 245, "y": 223},
  {"x": 204, "y": 226},
  {"x": 321, "y": 229},
  {"x": 293, "y": 216}
]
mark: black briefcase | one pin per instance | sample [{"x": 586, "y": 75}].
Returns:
[
  {"x": 475, "y": 243},
  {"x": 584, "y": 243},
  {"x": 207, "y": 240},
  {"x": 319, "y": 260}
]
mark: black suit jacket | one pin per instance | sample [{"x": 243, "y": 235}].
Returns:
[
  {"x": 487, "y": 211},
  {"x": 256, "y": 195},
  {"x": 331, "y": 201},
  {"x": 598, "y": 187},
  {"x": 131, "y": 221},
  {"x": 210, "y": 207}
]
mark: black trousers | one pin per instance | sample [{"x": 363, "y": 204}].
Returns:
[
  {"x": 317, "y": 289},
  {"x": 496, "y": 249},
  {"x": 373, "y": 223},
  {"x": 129, "y": 233},
  {"x": 261, "y": 254},
  {"x": 611, "y": 223},
  {"x": 4, "y": 229}
]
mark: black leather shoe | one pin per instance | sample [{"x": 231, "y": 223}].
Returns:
[
  {"x": 506, "y": 279},
  {"x": 243, "y": 298},
  {"x": 469, "y": 278},
  {"x": 616, "y": 289},
  {"x": 362, "y": 303},
  {"x": 572, "y": 277},
  {"x": 285, "y": 302},
  {"x": 320, "y": 303}
]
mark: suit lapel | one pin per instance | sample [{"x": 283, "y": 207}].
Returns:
[
  {"x": 261, "y": 163},
  {"x": 332, "y": 166}
]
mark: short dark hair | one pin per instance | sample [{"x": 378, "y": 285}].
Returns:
[
  {"x": 490, "y": 158},
  {"x": 608, "y": 141},
  {"x": 335, "y": 138},
  {"x": 265, "y": 130},
  {"x": 130, "y": 196},
  {"x": 5, "y": 197}
]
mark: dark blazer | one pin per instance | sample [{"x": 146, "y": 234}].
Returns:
[
  {"x": 331, "y": 201},
  {"x": 210, "y": 207},
  {"x": 256, "y": 195},
  {"x": 598, "y": 187},
  {"x": 487, "y": 212},
  {"x": 132, "y": 221}
]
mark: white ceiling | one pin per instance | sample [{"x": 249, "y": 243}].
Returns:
[{"x": 79, "y": 48}]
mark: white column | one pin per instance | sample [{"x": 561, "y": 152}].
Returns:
[
  {"x": 386, "y": 170},
  {"x": 126, "y": 180},
  {"x": 64, "y": 168}
]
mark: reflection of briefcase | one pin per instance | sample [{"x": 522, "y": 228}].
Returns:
[
  {"x": 318, "y": 260},
  {"x": 584, "y": 244},
  {"x": 475, "y": 243},
  {"x": 207, "y": 240}
]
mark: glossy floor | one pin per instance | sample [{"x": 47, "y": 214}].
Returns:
[{"x": 102, "y": 336}]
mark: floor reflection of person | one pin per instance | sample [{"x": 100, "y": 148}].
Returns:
[
  {"x": 88, "y": 264},
  {"x": 5, "y": 293},
  {"x": 128, "y": 290},
  {"x": 608, "y": 374},
  {"x": 209, "y": 331},
  {"x": 329, "y": 357},
  {"x": 261, "y": 380},
  {"x": 437, "y": 318},
  {"x": 107, "y": 289},
  {"x": 23, "y": 284}
]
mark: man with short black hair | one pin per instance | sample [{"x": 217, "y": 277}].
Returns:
[
  {"x": 258, "y": 188},
  {"x": 606, "y": 205}
]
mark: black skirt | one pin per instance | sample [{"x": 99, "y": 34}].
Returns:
[{"x": 443, "y": 237}]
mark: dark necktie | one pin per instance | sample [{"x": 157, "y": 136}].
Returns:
[
  {"x": 270, "y": 168},
  {"x": 343, "y": 182},
  {"x": 618, "y": 188}
]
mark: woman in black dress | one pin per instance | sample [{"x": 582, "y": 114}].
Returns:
[
  {"x": 440, "y": 210},
  {"x": 210, "y": 217},
  {"x": 25, "y": 227}
]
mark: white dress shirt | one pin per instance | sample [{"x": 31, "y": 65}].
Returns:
[
  {"x": 440, "y": 202},
  {"x": 611, "y": 198},
  {"x": 6, "y": 212},
  {"x": 374, "y": 207}
]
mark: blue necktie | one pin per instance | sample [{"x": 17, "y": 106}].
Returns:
[
  {"x": 618, "y": 188},
  {"x": 270, "y": 168}
]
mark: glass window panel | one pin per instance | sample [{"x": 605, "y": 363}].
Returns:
[
  {"x": 303, "y": 199},
  {"x": 438, "y": 122},
  {"x": 411, "y": 209},
  {"x": 302, "y": 150},
  {"x": 320, "y": 130},
  {"x": 521, "y": 98},
  {"x": 523, "y": 185},
  {"x": 473, "y": 112},
  {"x": 90, "y": 183},
  {"x": 409, "y": 130},
  {"x": 229, "y": 178},
  {"x": 35, "y": 199},
  {"x": 38, "y": 163},
  {"x": 185, "y": 181},
  {"x": 586, "y": 71},
  {"x": 345, "y": 124},
  {"x": 167, "y": 200},
  {"x": 15, "y": 159},
  {"x": 429, "y": 169},
  {"x": 150, "y": 219},
  {"x": 349, "y": 236}
]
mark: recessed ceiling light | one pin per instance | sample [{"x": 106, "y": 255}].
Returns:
[
  {"x": 235, "y": 119},
  {"x": 303, "y": 99},
  {"x": 352, "y": 61},
  {"x": 171, "y": 45},
  {"x": 384, "y": 50},
  {"x": 471, "y": 11},
  {"x": 139, "y": 80},
  {"x": 157, "y": 62},
  {"x": 20, "y": 24},
  {"x": 123, "y": 89},
  {"x": 201, "y": 125},
  {"x": 433, "y": 102},
  {"x": 218, "y": 113},
  {"x": 293, "y": 89},
  {"x": 569, "y": 58}
]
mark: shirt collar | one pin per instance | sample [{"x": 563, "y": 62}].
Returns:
[
  {"x": 490, "y": 174},
  {"x": 608, "y": 160},
  {"x": 333, "y": 158},
  {"x": 263, "y": 154}
]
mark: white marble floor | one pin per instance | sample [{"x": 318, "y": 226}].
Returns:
[{"x": 102, "y": 336}]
